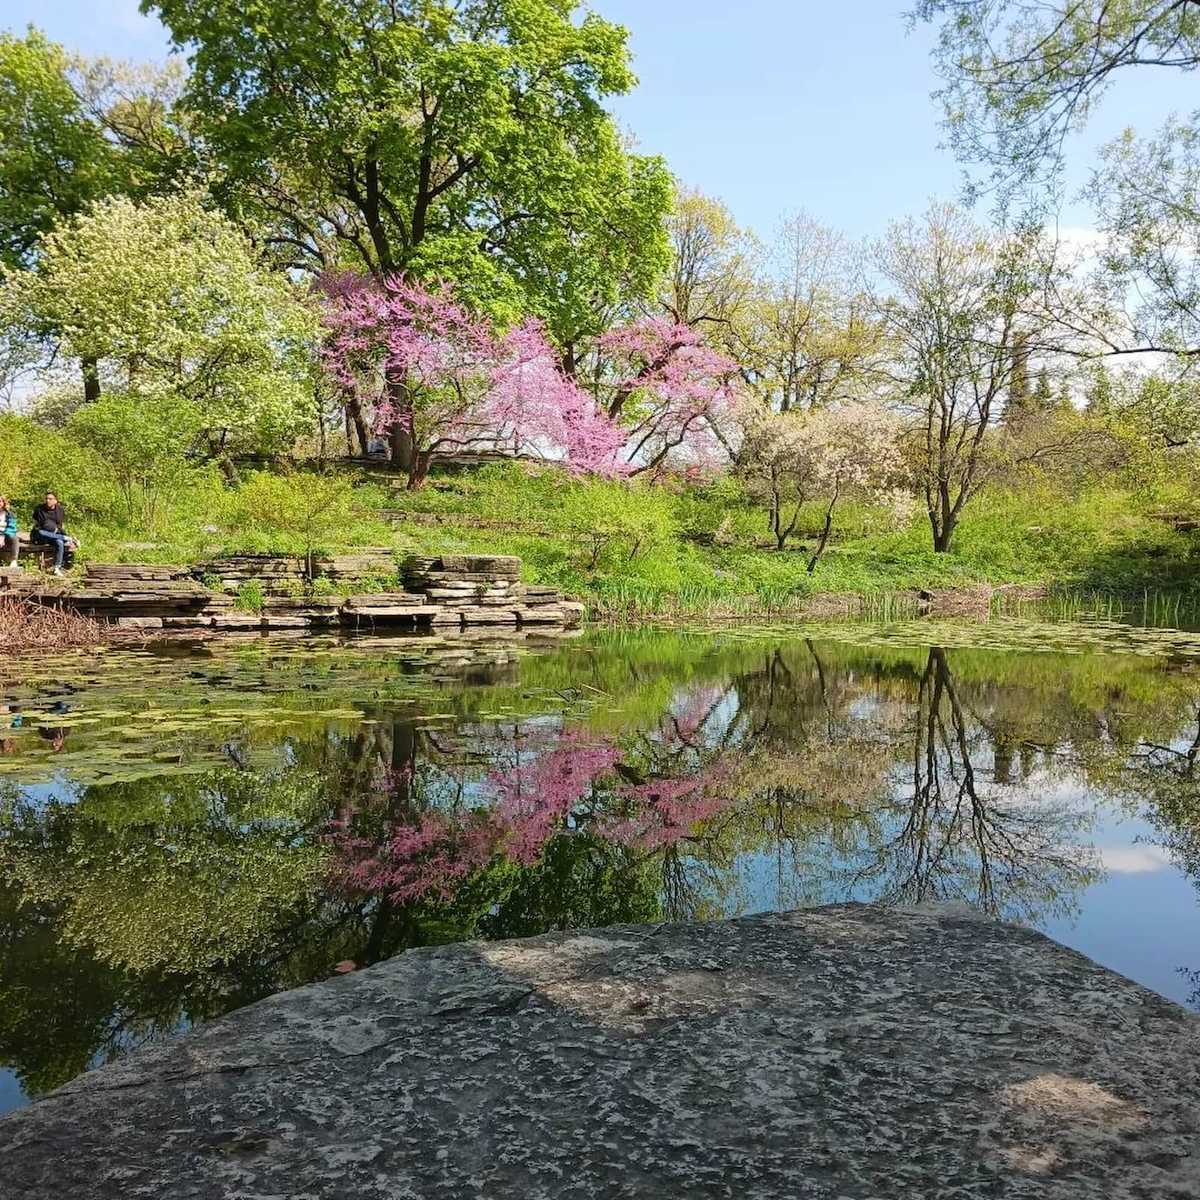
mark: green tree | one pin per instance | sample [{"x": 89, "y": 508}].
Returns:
[
  {"x": 712, "y": 264},
  {"x": 962, "y": 313},
  {"x": 144, "y": 448},
  {"x": 169, "y": 298},
  {"x": 461, "y": 140},
  {"x": 1021, "y": 75},
  {"x": 307, "y": 511},
  {"x": 54, "y": 159},
  {"x": 806, "y": 338}
]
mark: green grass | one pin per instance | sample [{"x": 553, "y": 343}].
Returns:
[{"x": 701, "y": 551}]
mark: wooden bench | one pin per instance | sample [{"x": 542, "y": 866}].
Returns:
[{"x": 28, "y": 550}]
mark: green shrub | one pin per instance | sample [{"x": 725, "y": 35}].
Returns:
[
  {"x": 250, "y": 597},
  {"x": 302, "y": 513},
  {"x": 613, "y": 522},
  {"x": 143, "y": 448}
]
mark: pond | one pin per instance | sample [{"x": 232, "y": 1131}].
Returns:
[{"x": 187, "y": 829}]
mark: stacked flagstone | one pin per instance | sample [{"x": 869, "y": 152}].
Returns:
[
  {"x": 486, "y": 589},
  {"x": 284, "y": 575},
  {"x": 483, "y": 589},
  {"x": 134, "y": 595},
  {"x": 450, "y": 592},
  {"x": 275, "y": 574}
]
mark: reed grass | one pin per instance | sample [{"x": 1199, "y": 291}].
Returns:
[{"x": 28, "y": 625}]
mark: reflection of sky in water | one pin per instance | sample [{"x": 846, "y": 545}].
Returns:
[
  {"x": 11, "y": 1095},
  {"x": 1142, "y": 919},
  {"x": 805, "y": 714}
]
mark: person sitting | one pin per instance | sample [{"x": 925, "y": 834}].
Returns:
[
  {"x": 50, "y": 528},
  {"x": 9, "y": 545}
]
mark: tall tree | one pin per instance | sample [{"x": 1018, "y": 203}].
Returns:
[
  {"x": 712, "y": 265},
  {"x": 963, "y": 313},
  {"x": 73, "y": 131},
  {"x": 171, "y": 302},
  {"x": 808, "y": 337},
  {"x": 459, "y": 139},
  {"x": 54, "y": 159},
  {"x": 1020, "y": 76}
]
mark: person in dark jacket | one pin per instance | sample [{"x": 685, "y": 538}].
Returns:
[
  {"x": 9, "y": 546},
  {"x": 50, "y": 528}
]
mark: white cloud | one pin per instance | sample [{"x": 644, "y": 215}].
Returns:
[{"x": 1133, "y": 860}]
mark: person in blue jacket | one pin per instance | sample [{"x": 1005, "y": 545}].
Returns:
[{"x": 9, "y": 546}]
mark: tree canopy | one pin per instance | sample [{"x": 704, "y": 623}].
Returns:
[
  {"x": 170, "y": 298},
  {"x": 466, "y": 141}
]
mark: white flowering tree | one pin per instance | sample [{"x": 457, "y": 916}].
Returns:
[
  {"x": 169, "y": 298},
  {"x": 823, "y": 456}
]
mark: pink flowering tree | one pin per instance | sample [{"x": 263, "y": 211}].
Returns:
[
  {"x": 418, "y": 361},
  {"x": 540, "y": 410},
  {"x": 667, "y": 389},
  {"x": 646, "y": 796}
]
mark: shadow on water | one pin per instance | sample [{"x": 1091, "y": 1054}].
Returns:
[{"x": 182, "y": 834}]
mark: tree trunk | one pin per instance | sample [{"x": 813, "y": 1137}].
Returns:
[
  {"x": 943, "y": 533},
  {"x": 812, "y": 562},
  {"x": 403, "y": 458},
  {"x": 943, "y": 521},
  {"x": 354, "y": 417},
  {"x": 91, "y": 379},
  {"x": 400, "y": 430},
  {"x": 418, "y": 469}
]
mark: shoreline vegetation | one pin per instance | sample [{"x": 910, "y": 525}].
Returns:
[
  {"x": 677, "y": 550},
  {"x": 208, "y": 347}
]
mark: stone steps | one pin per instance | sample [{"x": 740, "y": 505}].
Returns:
[{"x": 451, "y": 592}]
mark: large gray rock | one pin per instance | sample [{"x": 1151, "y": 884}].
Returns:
[{"x": 841, "y": 1052}]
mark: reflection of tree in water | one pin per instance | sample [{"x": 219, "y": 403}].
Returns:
[
  {"x": 959, "y": 833},
  {"x": 482, "y": 808},
  {"x": 1163, "y": 778},
  {"x": 129, "y": 908}
]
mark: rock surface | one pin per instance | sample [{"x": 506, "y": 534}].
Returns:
[{"x": 841, "y": 1052}]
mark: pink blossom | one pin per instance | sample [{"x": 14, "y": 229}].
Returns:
[
  {"x": 416, "y": 356},
  {"x": 534, "y": 798}
]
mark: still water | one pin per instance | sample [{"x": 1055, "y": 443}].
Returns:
[{"x": 186, "y": 830}]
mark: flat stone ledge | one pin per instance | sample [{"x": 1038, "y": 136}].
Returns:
[{"x": 842, "y": 1052}]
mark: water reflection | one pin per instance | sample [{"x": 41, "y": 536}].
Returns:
[{"x": 295, "y": 810}]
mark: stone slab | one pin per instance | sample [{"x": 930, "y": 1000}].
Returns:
[
  {"x": 237, "y": 621},
  {"x": 838, "y": 1053},
  {"x": 487, "y": 616},
  {"x": 542, "y": 615},
  {"x": 375, "y": 599},
  {"x": 384, "y": 612},
  {"x": 573, "y": 613}
]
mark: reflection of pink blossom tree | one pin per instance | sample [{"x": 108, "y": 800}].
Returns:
[
  {"x": 533, "y": 799},
  {"x": 522, "y": 807}
]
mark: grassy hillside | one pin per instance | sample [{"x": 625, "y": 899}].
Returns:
[{"x": 687, "y": 549}]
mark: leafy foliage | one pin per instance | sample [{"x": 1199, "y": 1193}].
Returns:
[
  {"x": 460, "y": 141},
  {"x": 306, "y": 511},
  {"x": 170, "y": 298}
]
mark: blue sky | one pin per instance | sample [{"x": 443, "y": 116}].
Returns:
[{"x": 771, "y": 105}]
